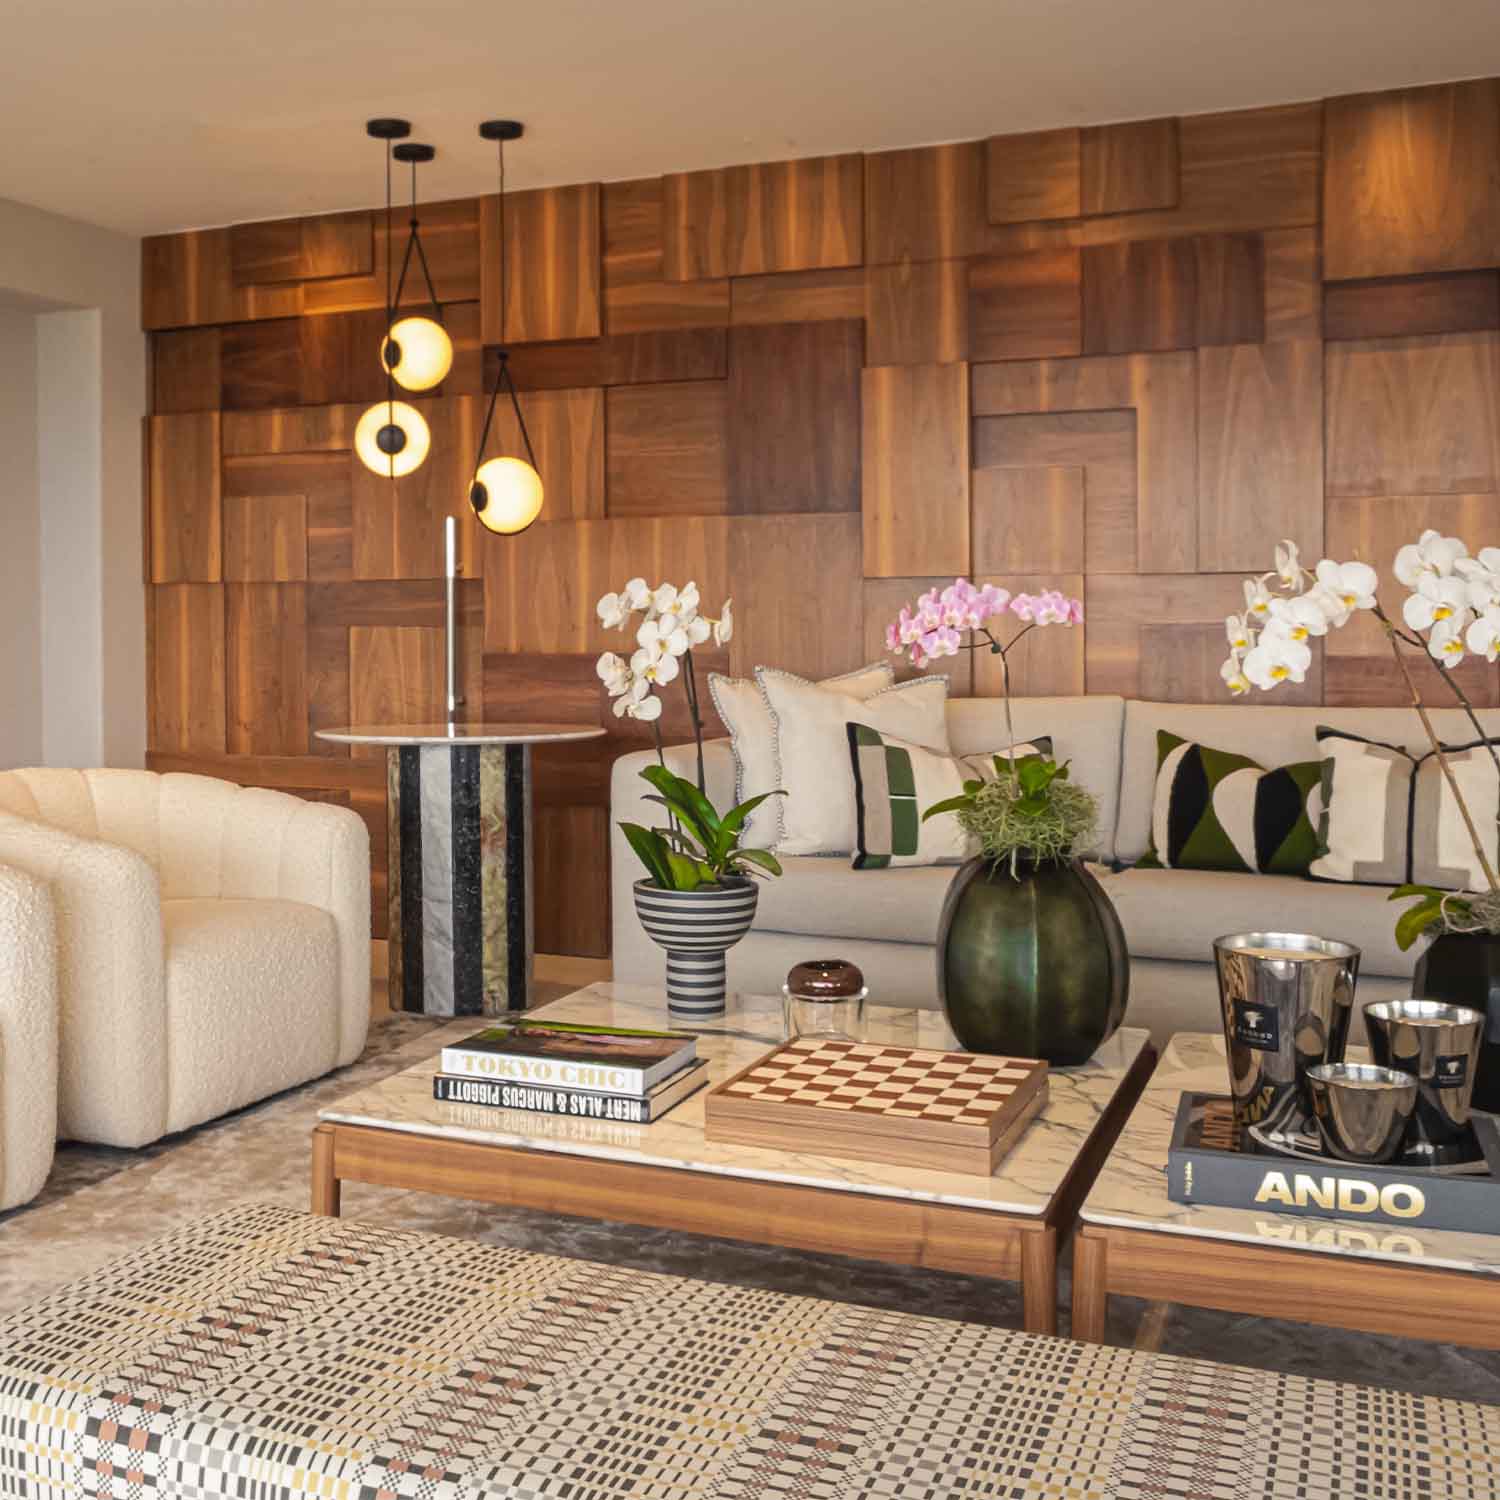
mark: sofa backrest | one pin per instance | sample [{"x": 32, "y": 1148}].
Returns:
[
  {"x": 1273, "y": 735},
  {"x": 1084, "y": 730}
]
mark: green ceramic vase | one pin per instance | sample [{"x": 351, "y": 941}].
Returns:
[{"x": 1032, "y": 964}]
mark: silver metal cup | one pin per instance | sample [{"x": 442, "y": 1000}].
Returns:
[
  {"x": 1361, "y": 1112},
  {"x": 1287, "y": 998},
  {"x": 1438, "y": 1044}
]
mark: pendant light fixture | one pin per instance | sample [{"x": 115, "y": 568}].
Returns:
[
  {"x": 506, "y": 492},
  {"x": 392, "y": 438},
  {"x": 417, "y": 350}
]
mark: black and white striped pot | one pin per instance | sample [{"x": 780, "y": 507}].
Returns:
[{"x": 696, "y": 928}]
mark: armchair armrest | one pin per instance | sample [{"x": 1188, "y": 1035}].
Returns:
[
  {"x": 28, "y": 1035},
  {"x": 112, "y": 1084}
]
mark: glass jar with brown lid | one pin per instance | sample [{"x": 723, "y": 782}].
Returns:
[{"x": 824, "y": 997}]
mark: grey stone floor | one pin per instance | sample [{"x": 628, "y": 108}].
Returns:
[{"x": 101, "y": 1203}]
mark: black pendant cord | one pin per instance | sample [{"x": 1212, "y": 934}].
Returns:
[
  {"x": 414, "y": 242},
  {"x": 390, "y": 312}
]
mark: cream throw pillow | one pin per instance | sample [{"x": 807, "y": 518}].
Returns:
[
  {"x": 812, "y": 750},
  {"x": 1441, "y": 851},
  {"x": 1365, "y": 825},
  {"x": 752, "y": 737}
]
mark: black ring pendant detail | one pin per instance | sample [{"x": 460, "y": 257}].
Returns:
[{"x": 391, "y": 439}]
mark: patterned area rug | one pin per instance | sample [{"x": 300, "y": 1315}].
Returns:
[{"x": 269, "y": 1353}]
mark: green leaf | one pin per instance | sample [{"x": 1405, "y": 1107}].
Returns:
[
  {"x": 685, "y": 875},
  {"x": 734, "y": 819},
  {"x": 677, "y": 789},
  {"x": 1414, "y": 922},
  {"x": 1403, "y": 891},
  {"x": 676, "y": 837},
  {"x": 970, "y": 787},
  {"x": 947, "y": 805},
  {"x": 651, "y": 849},
  {"x": 762, "y": 857}
]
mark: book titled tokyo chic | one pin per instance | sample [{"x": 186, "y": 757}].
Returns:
[
  {"x": 581, "y": 1104},
  {"x": 568, "y": 1055}
]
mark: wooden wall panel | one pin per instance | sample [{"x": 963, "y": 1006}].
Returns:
[
  {"x": 794, "y": 417},
  {"x": 916, "y": 313},
  {"x": 1414, "y": 416},
  {"x": 666, "y": 449},
  {"x": 396, "y": 676},
  {"x": 638, "y": 306},
  {"x": 261, "y": 364},
  {"x": 1412, "y": 182},
  {"x": 924, "y": 204},
  {"x": 265, "y": 538},
  {"x": 1031, "y": 520},
  {"x": 811, "y": 564},
  {"x": 185, "y": 370},
  {"x": 1231, "y": 288},
  {"x": 774, "y": 216},
  {"x": 1399, "y": 307},
  {"x": 1141, "y": 295},
  {"x": 916, "y": 470},
  {"x": 302, "y": 249},
  {"x": 567, "y": 434},
  {"x": 1026, "y": 306},
  {"x": 1046, "y": 662},
  {"x": 183, "y": 483},
  {"x": 552, "y": 288},
  {"x": 1034, "y": 176},
  {"x": 187, "y": 667},
  {"x": 798, "y": 296},
  {"x": 266, "y": 667},
  {"x": 631, "y": 222},
  {"x": 1260, "y": 453},
  {"x": 1129, "y": 168},
  {"x": 1293, "y": 304}
]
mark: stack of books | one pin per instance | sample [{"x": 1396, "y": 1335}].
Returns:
[{"x": 559, "y": 1068}]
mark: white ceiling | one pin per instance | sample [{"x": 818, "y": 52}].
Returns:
[{"x": 156, "y": 115}]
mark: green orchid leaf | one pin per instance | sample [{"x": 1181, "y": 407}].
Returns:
[
  {"x": 1413, "y": 923},
  {"x": 949, "y": 804},
  {"x": 1403, "y": 891},
  {"x": 678, "y": 789},
  {"x": 685, "y": 875},
  {"x": 734, "y": 819},
  {"x": 761, "y": 857},
  {"x": 651, "y": 849}
]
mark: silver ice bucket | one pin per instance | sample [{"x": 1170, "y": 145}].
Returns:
[{"x": 1287, "y": 1000}]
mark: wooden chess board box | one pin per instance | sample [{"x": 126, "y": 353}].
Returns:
[{"x": 907, "y": 1106}]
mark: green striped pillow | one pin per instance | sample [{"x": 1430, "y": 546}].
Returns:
[{"x": 895, "y": 782}]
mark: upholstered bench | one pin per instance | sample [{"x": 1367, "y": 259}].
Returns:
[{"x": 266, "y": 1353}]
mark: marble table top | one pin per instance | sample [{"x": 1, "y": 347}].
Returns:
[
  {"x": 1131, "y": 1191},
  {"x": 458, "y": 734},
  {"x": 1024, "y": 1183}
]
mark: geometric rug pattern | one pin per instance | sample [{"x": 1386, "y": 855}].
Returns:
[{"x": 268, "y": 1355}]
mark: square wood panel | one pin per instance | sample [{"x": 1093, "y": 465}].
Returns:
[
  {"x": 266, "y": 653},
  {"x": 916, "y": 313},
  {"x": 1031, "y": 520},
  {"x": 183, "y": 483},
  {"x": 666, "y": 449},
  {"x": 187, "y": 667},
  {"x": 265, "y": 538},
  {"x": 1129, "y": 168},
  {"x": 1034, "y": 176},
  {"x": 1026, "y": 306},
  {"x": 552, "y": 289}
]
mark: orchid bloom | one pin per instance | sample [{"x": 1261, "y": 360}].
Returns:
[
  {"x": 662, "y": 634},
  {"x": 935, "y": 623},
  {"x": 1288, "y": 568},
  {"x": 1353, "y": 584},
  {"x": 653, "y": 665},
  {"x": 1437, "y": 601},
  {"x": 1274, "y": 659},
  {"x": 1297, "y": 618},
  {"x": 613, "y": 611},
  {"x": 678, "y": 607},
  {"x": 1234, "y": 677},
  {"x": 1237, "y": 633},
  {"x": 724, "y": 625},
  {"x": 1432, "y": 555},
  {"x": 1257, "y": 598},
  {"x": 1483, "y": 636},
  {"x": 639, "y": 703},
  {"x": 1446, "y": 642},
  {"x": 614, "y": 673},
  {"x": 1481, "y": 576}
]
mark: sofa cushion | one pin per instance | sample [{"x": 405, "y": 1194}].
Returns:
[
  {"x": 827, "y": 897},
  {"x": 1177, "y": 914},
  {"x": 1364, "y": 833},
  {"x": 250, "y": 987}
]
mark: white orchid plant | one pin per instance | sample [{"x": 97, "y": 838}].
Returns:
[
  {"x": 699, "y": 847},
  {"x": 1452, "y": 609}
]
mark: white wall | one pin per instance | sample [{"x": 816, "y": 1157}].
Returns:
[
  {"x": 89, "y": 369},
  {"x": 20, "y": 554}
]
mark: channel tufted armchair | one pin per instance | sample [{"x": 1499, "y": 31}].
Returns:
[
  {"x": 213, "y": 942},
  {"x": 28, "y": 1036}
]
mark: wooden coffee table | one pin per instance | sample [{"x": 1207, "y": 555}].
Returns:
[
  {"x": 1376, "y": 1278},
  {"x": 667, "y": 1175}
]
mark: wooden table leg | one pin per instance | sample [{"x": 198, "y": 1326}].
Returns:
[
  {"x": 1090, "y": 1285},
  {"x": 1039, "y": 1279},
  {"x": 325, "y": 1186}
]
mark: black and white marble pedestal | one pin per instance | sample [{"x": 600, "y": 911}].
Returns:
[{"x": 460, "y": 889}]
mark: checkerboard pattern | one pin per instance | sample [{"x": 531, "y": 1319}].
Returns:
[
  {"x": 901, "y": 1082},
  {"x": 269, "y": 1355}
]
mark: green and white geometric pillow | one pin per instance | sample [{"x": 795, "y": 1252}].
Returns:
[
  {"x": 1215, "y": 810},
  {"x": 895, "y": 782}
]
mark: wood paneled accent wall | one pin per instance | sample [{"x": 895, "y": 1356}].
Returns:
[{"x": 1122, "y": 360}]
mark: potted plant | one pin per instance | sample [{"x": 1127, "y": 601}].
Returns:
[
  {"x": 697, "y": 898},
  {"x": 1452, "y": 609},
  {"x": 1031, "y": 957}
]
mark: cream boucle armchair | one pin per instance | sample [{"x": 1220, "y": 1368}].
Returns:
[
  {"x": 213, "y": 941},
  {"x": 28, "y": 1036}
]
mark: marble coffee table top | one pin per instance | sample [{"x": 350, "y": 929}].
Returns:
[
  {"x": 1131, "y": 1191},
  {"x": 1024, "y": 1183}
]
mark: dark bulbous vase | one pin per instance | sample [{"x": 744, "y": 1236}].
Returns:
[
  {"x": 1032, "y": 964},
  {"x": 1463, "y": 968}
]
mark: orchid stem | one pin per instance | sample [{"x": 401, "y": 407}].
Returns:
[{"x": 690, "y": 683}]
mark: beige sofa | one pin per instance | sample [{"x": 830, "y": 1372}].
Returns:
[
  {"x": 886, "y": 920},
  {"x": 213, "y": 942}
]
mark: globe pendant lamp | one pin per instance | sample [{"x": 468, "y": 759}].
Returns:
[
  {"x": 417, "y": 350},
  {"x": 506, "y": 492}
]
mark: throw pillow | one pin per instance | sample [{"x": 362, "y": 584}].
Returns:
[
  {"x": 896, "y": 782},
  {"x": 752, "y": 737},
  {"x": 1364, "y": 832},
  {"x": 1441, "y": 851},
  {"x": 812, "y": 750},
  {"x": 1215, "y": 810}
]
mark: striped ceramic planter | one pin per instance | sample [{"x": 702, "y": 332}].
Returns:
[{"x": 696, "y": 928}]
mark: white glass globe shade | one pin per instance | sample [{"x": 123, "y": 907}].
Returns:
[
  {"x": 423, "y": 353},
  {"x": 398, "y": 426},
  {"x": 506, "y": 495}
]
